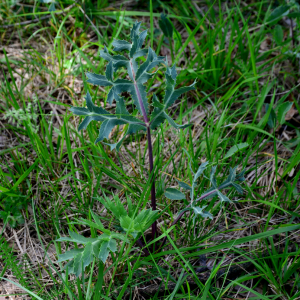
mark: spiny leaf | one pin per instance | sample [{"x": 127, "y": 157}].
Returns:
[
  {"x": 199, "y": 211},
  {"x": 106, "y": 128},
  {"x": 200, "y": 170},
  {"x": 109, "y": 72},
  {"x": 109, "y": 121},
  {"x": 97, "y": 79},
  {"x": 120, "y": 45},
  {"x": 171, "y": 94},
  {"x": 130, "y": 130},
  {"x": 214, "y": 184},
  {"x": 159, "y": 114},
  {"x": 152, "y": 61}
]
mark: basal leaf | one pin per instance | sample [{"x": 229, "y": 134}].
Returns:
[
  {"x": 127, "y": 224},
  {"x": 174, "y": 194},
  {"x": 278, "y": 34},
  {"x": 116, "y": 206}
]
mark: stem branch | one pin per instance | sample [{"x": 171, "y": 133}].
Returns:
[{"x": 182, "y": 213}]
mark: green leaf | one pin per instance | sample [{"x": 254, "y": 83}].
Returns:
[
  {"x": 171, "y": 94},
  {"x": 235, "y": 149},
  {"x": 144, "y": 219},
  {"x": 272, "y": 117},
  {"x": 295, "y": 14},
  {"x": 106, "y": 128},
  {"x": 120, "y": 45},
  {"x": 109, "y": 121},
  {"x": 138, "y": 75},
  {"x": 174, "y": 194},
  {"x": 278, "y": 13},
  {"x": 214, "y": 184},
  {"x": 112, "y": 245},
  {"x": 199, "y": 211},
  {"x": 184, "y": 185},
  {"x": 200, "y": 170},
  {"x": 159, "y": 115},
  {"x": 109, "y": 71},
  {"x": 278, "y": 34},
  {"x": 91, "y": 224},
  {"x": 77, "y": 238},
  {"x": 282, "y": 110},
  {"x": 127, "y": 224},
  {"x": 223, "y": 197},
  {"x": 69, "y": 254},
  {"x": 52, "y": 7},
  {"x": 87, "y": 255},
  {"x": 97, "y": 79},
  {"x": 152, "y": 61},
  {"x": 116, "y": 206},
  {"x": 104, "y": 251},
  {"x": 166, "y": 26},
  {"x": 97, "y": 220}
]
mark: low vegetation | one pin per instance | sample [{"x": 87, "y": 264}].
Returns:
[{"x": 149, "y": 150}]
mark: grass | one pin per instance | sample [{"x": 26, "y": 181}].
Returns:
[{"x": 231, "y": 50}]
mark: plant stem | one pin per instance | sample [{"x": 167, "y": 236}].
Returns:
[
  {"x": 150, "y": 152},
  {"x": 171, "y": 50},
  {"x": 153, "y": 200}
]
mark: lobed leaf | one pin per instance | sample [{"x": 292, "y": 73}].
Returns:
[{"x": 159, "y": 115}]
